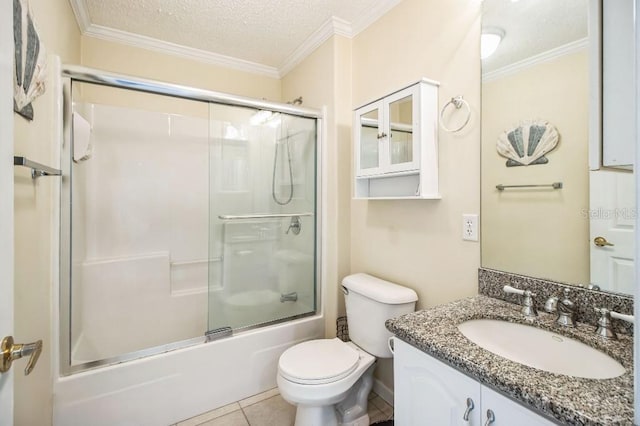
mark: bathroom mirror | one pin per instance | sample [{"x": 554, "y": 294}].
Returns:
[{"x": 563, "y": 217}]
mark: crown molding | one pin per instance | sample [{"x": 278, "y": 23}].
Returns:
[
  {"x": 333, "y": 26},
  {"x": 549, "y": 55},
  {"x": 79, "y": 8},
  {"x": 165, "y": 47},
  {"x": 372, "y": 15}
]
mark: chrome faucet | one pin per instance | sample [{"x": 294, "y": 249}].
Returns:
[
  {"x": 605, "y": 325},
  {"x": 551, "y": 305},
  {"x": 566, "y": 311},
  {"x": 528, "y": 304}
]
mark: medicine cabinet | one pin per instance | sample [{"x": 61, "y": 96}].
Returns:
[{"x": 396, "y": 145}]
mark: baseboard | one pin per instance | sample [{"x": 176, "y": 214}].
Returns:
[{"x": 383, "y": 391}]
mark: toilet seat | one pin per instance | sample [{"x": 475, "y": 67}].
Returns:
[{"x": 318, "y": 361}]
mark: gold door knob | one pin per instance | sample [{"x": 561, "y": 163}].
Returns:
[
  {"x": 601, "y": 242},
  {"x": 9, "y": 351}
]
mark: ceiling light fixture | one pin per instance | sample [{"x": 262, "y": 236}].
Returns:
[{"x": 489, "y": 41}]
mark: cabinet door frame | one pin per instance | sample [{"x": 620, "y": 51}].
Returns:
[
  {"x": 439, "y": 381},
  {"x": 414, "y": 92},
  {"x": 371, "y": 171}
]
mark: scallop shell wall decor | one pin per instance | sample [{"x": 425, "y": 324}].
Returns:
[
  {"x": 528, "y": 143},
  {"x": 30, "y": 60}
]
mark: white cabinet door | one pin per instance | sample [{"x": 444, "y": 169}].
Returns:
[
  {"x": 401, "y": 144},
  {"x": 369, "y": 135},
  {"x": 507, "y": 412},
  {"x": 429, "y": 392}
]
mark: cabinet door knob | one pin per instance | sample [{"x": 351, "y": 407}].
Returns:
[
  {"x": 465, "y": 417},
  {"x": 490, "y": 418}
]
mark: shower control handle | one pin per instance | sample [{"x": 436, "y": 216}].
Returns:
[{"x": 295, "y": 226}]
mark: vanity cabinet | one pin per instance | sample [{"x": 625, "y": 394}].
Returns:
[
  {"x": 396, "y": 149},
  {"x": 429, "y": 392}
]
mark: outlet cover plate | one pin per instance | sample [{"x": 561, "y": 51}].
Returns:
[{"x": 470, "y": 227}]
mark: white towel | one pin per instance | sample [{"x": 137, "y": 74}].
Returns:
[{"x": 81, "y": 138}]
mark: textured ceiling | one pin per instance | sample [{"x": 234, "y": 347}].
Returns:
[
  {"x": 264, "y": 32},
  {"x": 532, "y": 27}
]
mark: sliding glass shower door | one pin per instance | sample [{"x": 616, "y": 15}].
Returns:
[
  {"x": 262, "y": 217},
  {"x": 180, "y": 217}
]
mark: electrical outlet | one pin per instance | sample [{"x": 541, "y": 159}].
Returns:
[{"x": 470, "y": 227}]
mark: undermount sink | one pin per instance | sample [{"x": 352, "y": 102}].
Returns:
[{"x": 541, "y": 349}]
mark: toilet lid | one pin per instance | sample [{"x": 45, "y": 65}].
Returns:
[{"x": 318, "y": 361}]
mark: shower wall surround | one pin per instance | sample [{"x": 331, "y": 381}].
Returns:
[{"x": 139, "y": 211}]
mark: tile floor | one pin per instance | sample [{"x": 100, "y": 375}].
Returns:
[{"x": 269, "y": 409}]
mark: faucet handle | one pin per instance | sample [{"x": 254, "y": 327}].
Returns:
[
  {"x": 624, "y": 317},
  {"x": 513, "y": 290},
  {"x": 605, "y": 328},
  {"x": 528, "y": 305}
]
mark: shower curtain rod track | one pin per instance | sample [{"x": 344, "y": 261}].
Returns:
[{"x": 89, "y": 75}]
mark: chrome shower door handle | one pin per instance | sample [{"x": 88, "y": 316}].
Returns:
[{"x": 10, "y": 351}]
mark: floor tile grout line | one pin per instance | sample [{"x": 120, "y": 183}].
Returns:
[{"x": 245, "y": 414}]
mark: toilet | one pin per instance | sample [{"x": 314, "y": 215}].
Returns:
[{"x": 329, "y": 380}]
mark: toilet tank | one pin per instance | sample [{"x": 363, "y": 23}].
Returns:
[{"x": 370, "y": 301}]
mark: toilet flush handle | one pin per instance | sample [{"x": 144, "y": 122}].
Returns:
[{"x": 390, "y": 344}]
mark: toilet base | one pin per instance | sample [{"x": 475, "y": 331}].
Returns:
[
  {"x": 324, "y": 416},
  {"x": 360, "y": 421},
  {"x": 307, "y": 415}
]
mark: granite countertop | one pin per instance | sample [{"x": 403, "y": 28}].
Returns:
[{"x": 568, "y": 400}]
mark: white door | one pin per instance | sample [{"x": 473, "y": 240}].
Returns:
[
  {"x": 612, "y": 219},
  {"x": 6, "y": 200}
]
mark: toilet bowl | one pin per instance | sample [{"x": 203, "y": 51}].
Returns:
[
  {"x": 318, "y": 374},
  {"x": 329, "y": 380}
]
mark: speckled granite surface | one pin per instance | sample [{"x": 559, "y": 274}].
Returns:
[
  {"x": 567, "y": 400},
  {"x": 490, "y": 283}
]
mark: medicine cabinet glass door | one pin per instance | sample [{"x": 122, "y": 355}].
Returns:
[
  {"x": 368, "y": 154},
  {"x": 388, "y": 139}
]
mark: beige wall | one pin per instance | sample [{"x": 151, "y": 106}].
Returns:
[
  {"x": 324, "y": 79},
  {"x": 418, "y": 243},
  {"x": 538, "y": 233},
  {"x": 414, "y": 243},
  {"x": 124, "y": 59},
  {"x": 33, "y": 219}
]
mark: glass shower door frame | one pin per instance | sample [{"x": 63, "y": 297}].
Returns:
[{"x": 70, "y": 74}]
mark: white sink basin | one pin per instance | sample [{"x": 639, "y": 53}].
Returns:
[{"x": 541, "y": 349}]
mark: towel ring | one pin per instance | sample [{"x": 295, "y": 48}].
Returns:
[{"x": 457, "y": 102}]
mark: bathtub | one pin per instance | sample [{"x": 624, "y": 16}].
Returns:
[{"x": 166, "y": 388}]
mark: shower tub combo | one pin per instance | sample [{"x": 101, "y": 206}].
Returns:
[{"x": 189, "y": 247}]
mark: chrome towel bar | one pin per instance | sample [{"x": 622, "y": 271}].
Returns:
[
  {"x": 37, "y": 169},
  {"x": 262, "y": 216},
  {"x": 554, "y": 185}
]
